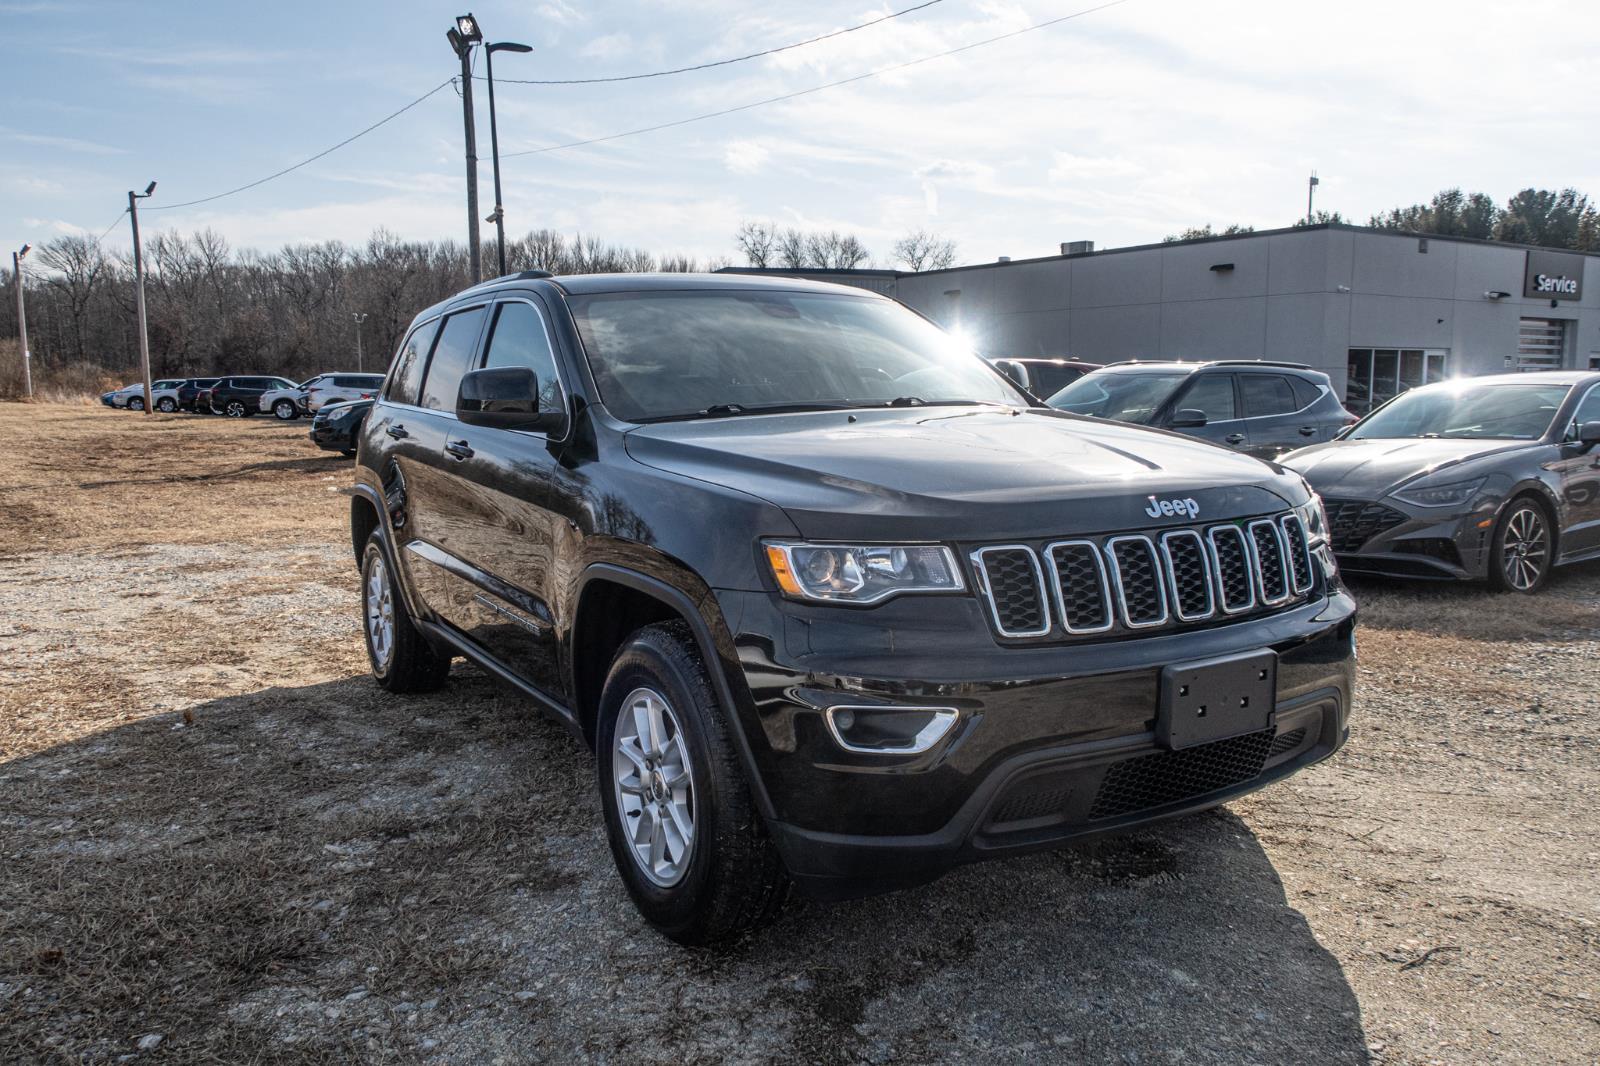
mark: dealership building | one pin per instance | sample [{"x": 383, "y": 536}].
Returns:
[{"x": 1379, "y": 311}]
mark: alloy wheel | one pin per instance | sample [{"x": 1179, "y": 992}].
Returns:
[
  {"x": 380, "y": 612},
  {"x": 235, "y": 409},
  {"x": 654, "y": 787},
  {"x": 1526, "y": 548}
]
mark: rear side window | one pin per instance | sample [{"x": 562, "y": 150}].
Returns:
[
  {"x": 1267, "y": 394},
  {"x": 519, "y": 339},
  {"x": 1049, "y": 379},
  {"x": 452, "y": 355},
  {"x": 405, "y": 386},
  {"x": 1305, "y": 393},
  {"x": 1211, "y": 394}
]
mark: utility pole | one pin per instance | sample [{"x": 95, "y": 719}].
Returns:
[
  {"x": 138, "y": 277},
  {"x": 462, "y": 36},
  {"x": 360, "y": 317},
  {"x": 1311, "y": 189},
  {"x": 499, "y": 216},
  {"x": 22, "y": 320}
]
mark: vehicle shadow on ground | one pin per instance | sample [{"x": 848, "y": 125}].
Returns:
[
  {"x": 312, "y": 464},
  {"x": 1563, "y": 610},
  {"x": 329, "y": 872}
]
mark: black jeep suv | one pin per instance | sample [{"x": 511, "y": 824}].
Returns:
[{"x": 834, "y": 604}]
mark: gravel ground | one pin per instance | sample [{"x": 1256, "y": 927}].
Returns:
[{"x": 220, "y": 842}]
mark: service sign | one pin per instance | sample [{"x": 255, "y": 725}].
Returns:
[{"x": 1553, "y": 275}]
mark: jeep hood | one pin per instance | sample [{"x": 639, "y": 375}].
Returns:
[
  {"x": 1368, "y": 469},
  {"x": 942, "y": 473}
]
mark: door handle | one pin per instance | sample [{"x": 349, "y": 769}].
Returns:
[
  {"x": 1234, "y": 438},
  {"x": 458, "y": 448},
  {"x": 397, "y": 432},
  {"x": 1308, "y": 431}
]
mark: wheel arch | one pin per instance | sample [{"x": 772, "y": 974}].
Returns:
[
  {"x": 613, "y": 602},
  {"x": 1549, "y": 498}
]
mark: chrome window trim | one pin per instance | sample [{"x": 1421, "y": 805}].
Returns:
[
  {"x": 1283, "y": 563},
  {"x": 1216, "y": 567},
  {"x": 982, "y": 574},
  {"x": 1116, "y": 579},
  {"x": 1305, "y": 550},
  {"x": 1172, "y": 575},
  {"x": 1055, "y": 585},
  {"x": 944, "y": 720}
]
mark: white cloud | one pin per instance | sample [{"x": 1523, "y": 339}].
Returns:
[
  {"x": 746, "y": 157},
  {"x": 610, "y": 46},
  {"x": 71, "y": 144}
]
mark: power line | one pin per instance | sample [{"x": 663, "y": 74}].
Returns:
[
  {"x": 306, "y": 162},
  {"x": 721, "y": 62},
  {"x": 815, "y": 88},
  {"x": 114, "y": 224}
]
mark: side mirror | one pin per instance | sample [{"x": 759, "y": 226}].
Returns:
[
  {"x": 505, "y": 397},
  {"x": 1589, "y": 434},
  {"x": 1188, "y": 418},
  {"x": 1015, "y": 371}
]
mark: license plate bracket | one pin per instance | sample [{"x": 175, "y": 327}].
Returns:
[{"x": 1215, "y": 699}]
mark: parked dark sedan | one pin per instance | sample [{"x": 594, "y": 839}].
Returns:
[
  {"x": 336, "y": 424},
  {"x": 1260, "y": 408},
  {"x": 1493, "y": 477}
]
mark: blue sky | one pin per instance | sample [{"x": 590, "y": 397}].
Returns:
[{"x": 1121, "y": 126}]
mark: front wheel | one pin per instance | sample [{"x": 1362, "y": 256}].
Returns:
[
  {"x": 166, "y": 405},
  {"x": 236, "y": 409},
  {"x": 684, "y": 832},
  {"x": 1523, "y": 548},
  {"x": 286, "y": 410}
]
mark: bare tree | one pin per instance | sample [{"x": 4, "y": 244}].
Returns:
[
  {"x": 79, "y": 264},
  {"x": 758, "y": 241},
  {"x": 921, "y": 250}
]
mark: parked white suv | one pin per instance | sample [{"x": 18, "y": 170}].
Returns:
[
  {"x": 313, "y": 393},
  {"x": 132, "y": 396}
]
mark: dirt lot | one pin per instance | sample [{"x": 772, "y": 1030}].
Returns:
[{"x": 220, "y": 842}]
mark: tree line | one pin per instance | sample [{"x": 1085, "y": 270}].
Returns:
[{"x": 212, "y": 308}]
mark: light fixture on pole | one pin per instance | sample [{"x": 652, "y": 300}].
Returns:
[
  {"x": 499, "y": 216},
  {"x": 138, "y": 278},
  {"x": 360, "y": 317},
  {"x": 22, "y": 320},
  {"x": 462, "y": 36},
  {"x": 1311, "y": 189}
]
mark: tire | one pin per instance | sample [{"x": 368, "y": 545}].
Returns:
[
  {"x": 404, "y": 661},
  {"x": 286, "y": 410},
  {"x": 1523, "y": 549},
  {"x": 136, "y": 404},
  {"x": 727, "y": 877},
  {"x": 236, "y": 409},
  {"x": 166, "y": 405}
]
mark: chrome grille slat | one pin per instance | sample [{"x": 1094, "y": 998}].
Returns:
[
  {"x": 1136, "y": 572},
  {"x": 1082, "y": 590},
  {"x": 1131, "y": 582},
  {"x": 1189, "y": 571}
]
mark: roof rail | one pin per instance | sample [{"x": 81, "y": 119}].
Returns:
[
  {"x": 521, "y": 275},
  {"x": 1214, "y": 362}
]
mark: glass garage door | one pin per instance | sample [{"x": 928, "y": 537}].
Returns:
[{"x": 1541, "y": 343}]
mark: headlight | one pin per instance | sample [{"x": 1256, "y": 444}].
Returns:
[
  {"x": 1315, "y": 518},
  {"x": 861, "y": 573},
  {"x": 1439, "y": 495}
]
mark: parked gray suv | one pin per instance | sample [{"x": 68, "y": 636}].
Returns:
[{"x": 1261, "y": 408}]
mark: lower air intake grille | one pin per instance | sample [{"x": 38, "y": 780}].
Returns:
[
  {"x": 1171, "y": 776},
  {"x": 1287, "y": 742},
  {"x": 1351, "y": 523}
]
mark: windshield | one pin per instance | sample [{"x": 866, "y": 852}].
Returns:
[
  {"x": 1125, "y": 396},
  {"x": 683, "y": 354},
  {"x": 1500, "y": 411}
]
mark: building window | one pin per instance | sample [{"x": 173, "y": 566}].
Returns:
[{"x": 1378, "y": 375}]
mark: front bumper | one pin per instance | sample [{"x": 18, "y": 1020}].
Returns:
[
  {"x": 1429, "y": 543},
  {"x": 333, "y": 436},
  {"x": 1053, "y": 743}
]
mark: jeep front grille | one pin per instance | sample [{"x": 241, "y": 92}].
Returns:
[{"x": 1136, "y": 581}]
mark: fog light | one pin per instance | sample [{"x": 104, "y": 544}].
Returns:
[{"x": 889, "y": 730}]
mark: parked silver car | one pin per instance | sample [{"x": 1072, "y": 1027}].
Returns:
[
  {"x": 132, "y": 396},
  {"x": 339, "y": 388},
  {"x": 1493, "y": 477}
]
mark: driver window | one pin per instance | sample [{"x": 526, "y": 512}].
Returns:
[
  {"x": 1588, "y": 411},
  {"x": 518, "y": 338},
  {"x": 1211, "y": 394}
]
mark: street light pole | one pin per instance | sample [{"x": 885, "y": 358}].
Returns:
[
  {"x": 1311, "y": 189},
  {"x": 462, "y": 36},
  {"x": 138, "y": 277},
  {"x": 499, "y": 216},
  {"x": 22, "y": 320},
  {"x": 360, "y": 317}
]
